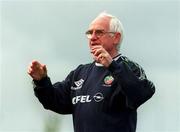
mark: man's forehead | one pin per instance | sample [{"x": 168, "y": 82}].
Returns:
[{"x": 97, "y": 27}]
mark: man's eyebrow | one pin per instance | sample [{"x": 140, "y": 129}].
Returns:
[{"x": 96, "y": 29}]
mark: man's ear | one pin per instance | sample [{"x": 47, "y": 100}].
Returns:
[{"x": 117, "y": 38}]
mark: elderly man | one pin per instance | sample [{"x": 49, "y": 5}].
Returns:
[{"x": 102, "y": 96}]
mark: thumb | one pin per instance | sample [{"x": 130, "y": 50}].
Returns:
[{"x": 44, "y": 68}]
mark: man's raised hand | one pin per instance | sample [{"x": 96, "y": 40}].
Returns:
[{"x": 37, "y": 70}]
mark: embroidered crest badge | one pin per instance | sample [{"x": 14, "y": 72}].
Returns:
[{"x": 108, "y": 80}]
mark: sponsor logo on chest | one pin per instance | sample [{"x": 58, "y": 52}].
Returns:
[{"x": 87, "y": 98}]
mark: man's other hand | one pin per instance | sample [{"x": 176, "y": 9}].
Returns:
[{"x": 37, "y": 70}]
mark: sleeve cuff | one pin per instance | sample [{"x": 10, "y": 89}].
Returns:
[{"x": 44, "y": 82}]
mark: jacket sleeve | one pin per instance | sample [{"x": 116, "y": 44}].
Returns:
[
  {"x": 55, "y": 97},
  {"x": 133, "y": 81}
]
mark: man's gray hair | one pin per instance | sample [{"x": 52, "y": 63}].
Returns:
[{"x": 115, "y": 25}]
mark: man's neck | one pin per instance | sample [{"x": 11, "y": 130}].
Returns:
[{"x": 113, "y": 55}]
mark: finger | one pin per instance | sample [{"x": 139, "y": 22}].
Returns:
[
  {"x": 98, "y": 52},
  {"x": 29, "y": 70},
  {"x": 100, "y": 57},
  {"x": 96, "y": 47},
  {"x": 92, "y": 52},
  {"x": 35, "y": 77},
  {"x": 31, "y": 73},
  {"x": 36, "y": 66},
  {"x": 36, "y": 63},
  {"x": 33, "y": 70},
  {"x": 95, "y": 58}
]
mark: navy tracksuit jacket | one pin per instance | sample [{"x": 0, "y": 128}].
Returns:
[{"x": 100, "y": 99}]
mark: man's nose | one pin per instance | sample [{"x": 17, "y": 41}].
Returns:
[{"x": 93, "y": 36}]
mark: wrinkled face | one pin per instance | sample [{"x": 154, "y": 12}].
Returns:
[{"x": 99, "y": 30}]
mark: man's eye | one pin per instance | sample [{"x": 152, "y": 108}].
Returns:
[
  {"x": 99, "y": 32},
  {"x": 89, "y": 32}
]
